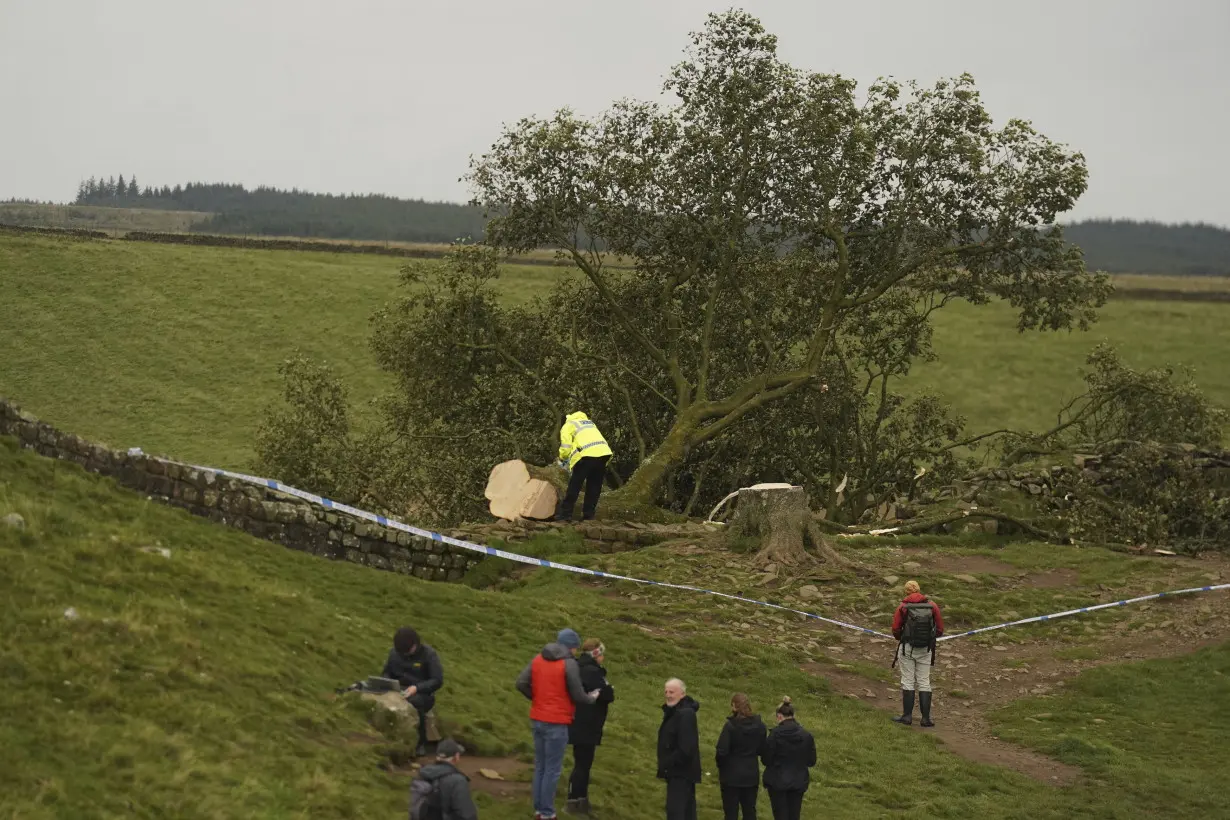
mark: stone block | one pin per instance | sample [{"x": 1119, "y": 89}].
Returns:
[{"x": 350, "y": 541}]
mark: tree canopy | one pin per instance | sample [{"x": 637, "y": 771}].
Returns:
[{"x": 769, "y": 216}]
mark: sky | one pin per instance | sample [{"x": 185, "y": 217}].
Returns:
[{"x": 362, "y": 96}]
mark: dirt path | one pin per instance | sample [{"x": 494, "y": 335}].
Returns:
[{"x": 988, "y": 677}]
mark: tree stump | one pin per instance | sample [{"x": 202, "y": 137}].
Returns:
[{"x": 778, "y": 514}]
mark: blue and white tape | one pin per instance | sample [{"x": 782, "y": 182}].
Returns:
[
  {"x": 1084, "y": 609},
  {"x": 430, "y": 535},
  {"x": 512, "y": 556}
]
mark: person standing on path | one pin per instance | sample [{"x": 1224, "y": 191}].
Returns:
[
  {"x": 417, "y": 669},
  {"x": 679, "y": 751},
  {"x": 585, "y": 733},
  {"x": 917, "y": 624},
  {"x": 738, "y": 765},
  {"x": 585, "y": 453},
  {"x": 552, "y": 683},
  {"x": 789, "y": 752}
]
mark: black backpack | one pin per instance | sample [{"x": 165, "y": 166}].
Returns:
[
  {"x": 426, "y": 802},
  {"x": 918, "y": 628}
]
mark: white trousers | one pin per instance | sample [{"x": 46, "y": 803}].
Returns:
[{"x": 915, "y": 664}]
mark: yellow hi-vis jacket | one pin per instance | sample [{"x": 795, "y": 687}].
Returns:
[{"x": 579, "y": 438}]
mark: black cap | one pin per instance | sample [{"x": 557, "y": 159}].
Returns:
[{"x": 449, "y": 748}]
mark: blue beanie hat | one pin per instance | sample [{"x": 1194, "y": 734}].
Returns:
[{"x": 569, "y": 638}]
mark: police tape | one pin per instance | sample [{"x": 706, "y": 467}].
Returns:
[
  {"x": 384, "y": 521},
  {"x": 1084, "y": 609},
  {"x": 277, "y": 486}
]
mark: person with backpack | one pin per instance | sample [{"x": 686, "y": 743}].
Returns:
[
  {"x": 441, "y": 791},
  {"x": 679, "y": 751},
  {"x": 552, "y": 683},
  {"x": 417, "y": 669},
  {"x": 917, "y": 624},
  {"x": 738, "y": 765},
  {"x": 789, "y": 752},
  {"x": 585, "y": 733}
]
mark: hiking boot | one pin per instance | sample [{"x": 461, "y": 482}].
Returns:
[
  {"x": 583, "y": 805},
  {"x": 924, "y": 705},
  {"x": 572, "y": 806},
  {"x": 907, "y": 709}
]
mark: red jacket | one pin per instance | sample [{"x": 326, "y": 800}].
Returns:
[
  {"x": 916, "y": 598},
  {"x": 551, "y": 703},
  {"x": 552, "y": 682}
]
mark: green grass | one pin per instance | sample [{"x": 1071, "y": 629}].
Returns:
[
  {"x": 98, "y": 218},
  {"x": 1119, "y": 723},
  {"x": 997, "y": 377},
  {"x": 200, "y": 685},
  {"x": 175, "y": 348}
]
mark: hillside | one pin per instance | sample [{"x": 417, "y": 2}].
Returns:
[
  {"x": 200, "y": 684},
  {"x": 176, "y": 348}
]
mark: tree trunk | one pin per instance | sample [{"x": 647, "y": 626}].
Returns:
[
  {"x": 645, "y": 483},
  {"x": 778, "y": 515}
]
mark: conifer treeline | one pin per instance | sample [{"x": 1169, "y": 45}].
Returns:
[
  {"x": 267, "y": 211},
  {"x": 1119, "y": 246}
]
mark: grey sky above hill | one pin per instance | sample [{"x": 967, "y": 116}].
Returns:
[{"x": 393, "y": 96}]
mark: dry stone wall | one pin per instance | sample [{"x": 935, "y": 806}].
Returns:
[{"x": 259, "y": 511}]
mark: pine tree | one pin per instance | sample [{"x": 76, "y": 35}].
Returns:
[
  {"x": 83, "y": 191},
  {"x": 134, "y": 190},
  {"x": 108, "y": 187},
  {"x": 121, "y": 190}
]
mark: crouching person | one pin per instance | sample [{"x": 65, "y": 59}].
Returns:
[
  {"x": 441, "y": 791},
  {"x": 417, "y": 668},
  {"x": 916, "y": 625}
]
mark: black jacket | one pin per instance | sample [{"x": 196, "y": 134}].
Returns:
[
  {"x": 454, "y": 791},
  {"x": 679, "y": 742},
  {"x": 789, "y": 751},
  {"x": 421, "y": 668},
  {"x": 737, "y": 748},
  {"x": 586, "y": 728}
]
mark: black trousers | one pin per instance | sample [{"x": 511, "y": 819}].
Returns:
[
  {"x": 786, "y": 805},
  {"x": 680, "y": 799},
  {"x": 422, "y": 704},
  {"x": 578, "y": 781},
  {"x": 735, "y": 796},
  {"x": 589, "y": 474}
]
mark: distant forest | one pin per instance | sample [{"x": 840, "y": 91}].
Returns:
[{"x": 1118, "y": 246}]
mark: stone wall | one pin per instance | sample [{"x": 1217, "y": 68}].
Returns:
[{"x": 256, "y": 510}]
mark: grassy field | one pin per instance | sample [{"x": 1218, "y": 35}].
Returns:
[
  {"x": 96, "y": 218},
  {"x": 200, "y": 685},
  {"x": 175, "y": 349}
]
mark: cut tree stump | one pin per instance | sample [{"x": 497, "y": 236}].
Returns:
[{"x": 778, "y": 514}]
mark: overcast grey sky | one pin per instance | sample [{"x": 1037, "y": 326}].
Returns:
[{"x": 393, "y": 96}]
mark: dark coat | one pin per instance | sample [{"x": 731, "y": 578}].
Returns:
[
  {"x": 737, "y": 750},
  {"x": 454, "y": 791},
  {"x": 789, "y": 751},
  {"x": 586, "y": 728},
  {"x": 421, "y": 668},
  {"x": 679, "y": 742}
]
